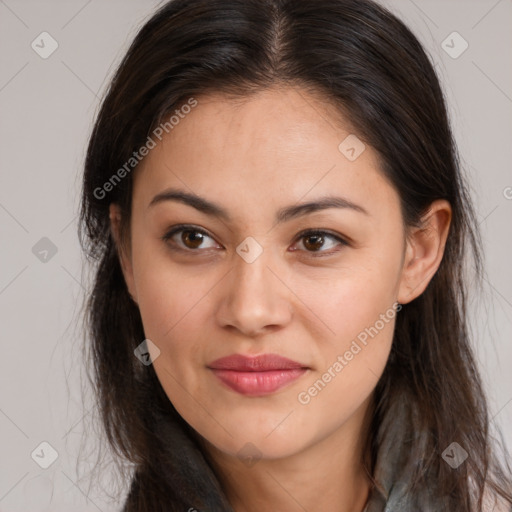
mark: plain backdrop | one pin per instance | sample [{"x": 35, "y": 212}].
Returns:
[{"x": 47, "y": 108}]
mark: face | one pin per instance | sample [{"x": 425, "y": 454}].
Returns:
[{"x": 313, "y": 285}]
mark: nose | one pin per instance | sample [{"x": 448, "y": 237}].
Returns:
[{"x": 256, "y": 298}]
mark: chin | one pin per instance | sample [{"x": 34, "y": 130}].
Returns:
[
  {"x": 252, "y": 451},
  {"x": 257, "y": 445}
]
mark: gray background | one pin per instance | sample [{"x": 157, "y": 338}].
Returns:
[{"x": 47, "y": 107}]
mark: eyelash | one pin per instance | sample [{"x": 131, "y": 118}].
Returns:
[{"x": 303, "y": 234}]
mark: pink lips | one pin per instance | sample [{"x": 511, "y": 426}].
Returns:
[{"x": 256, "y": 376}]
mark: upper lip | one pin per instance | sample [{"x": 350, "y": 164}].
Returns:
[{"x": 261, "y": 363}]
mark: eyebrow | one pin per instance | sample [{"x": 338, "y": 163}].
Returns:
[{"x": 284, "y": 214}]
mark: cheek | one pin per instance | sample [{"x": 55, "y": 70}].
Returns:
[
  {"x": 351, "y": 365},
  {"x": 173, "y": 307},
  {"x": 359, "y": 309},
  {"x": 170, "y": 299},
  {"x": 354, "y": 297}
]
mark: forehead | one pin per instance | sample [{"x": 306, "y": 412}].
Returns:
[
  {"x": 274, "y": 147},
  {"x": 280, "y": 121}
]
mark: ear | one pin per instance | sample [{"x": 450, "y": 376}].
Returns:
[
  {"x": 124, "y": 253},
  {"x": 424, "y": 251}
]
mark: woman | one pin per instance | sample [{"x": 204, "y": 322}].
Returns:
[{"x": 278, "y": 322}]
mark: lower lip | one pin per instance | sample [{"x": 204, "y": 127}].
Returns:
[{"x": 258, "y": 383}]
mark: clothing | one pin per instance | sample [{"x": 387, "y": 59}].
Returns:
[
  {"x": 394, "y": 439},
  {"x": 390, "y": 495},
  {"x": 188, "y": 481}
]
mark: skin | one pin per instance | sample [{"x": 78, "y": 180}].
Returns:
[{"x": 278, "y": 148}]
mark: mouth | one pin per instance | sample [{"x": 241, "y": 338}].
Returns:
[{"x": 256, "y": 376}]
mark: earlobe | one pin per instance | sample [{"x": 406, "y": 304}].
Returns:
[
  {"x": 123, "y": 254},
  {"x": 424, "y": 251}
]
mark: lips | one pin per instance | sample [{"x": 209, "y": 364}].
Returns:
[
  {"x": 256, "y": 376},
  {"x": 265, "y": 362}
]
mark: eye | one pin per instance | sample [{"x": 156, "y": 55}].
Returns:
[
  {"x": 191, "y": 237},
  {"x": 315, "y": 240}
]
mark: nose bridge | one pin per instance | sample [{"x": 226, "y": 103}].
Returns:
[
  {"x": 255, "y": 297},
  {"x": 252, "y": 277}
]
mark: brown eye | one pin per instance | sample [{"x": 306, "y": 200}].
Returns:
[
  {"x": 187, "y": 238},
  {"x": 315, "y": 241},
  {"x": 191, "y": 239}
]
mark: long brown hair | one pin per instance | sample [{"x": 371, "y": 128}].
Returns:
[{"x": 363, "y": 61}]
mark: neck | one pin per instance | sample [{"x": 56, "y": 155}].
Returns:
[{"x": 327, "y": 474}]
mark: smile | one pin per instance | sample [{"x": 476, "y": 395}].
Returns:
[
  {"x": 256, "y": 375},
  {"x": 258, "y": 383}
]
